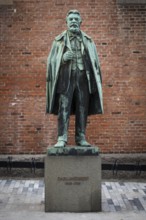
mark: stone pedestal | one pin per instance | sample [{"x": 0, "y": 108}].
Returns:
[{"x": 73, "y": 180}]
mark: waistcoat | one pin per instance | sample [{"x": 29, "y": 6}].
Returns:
[{"x": 77, "y": 61}]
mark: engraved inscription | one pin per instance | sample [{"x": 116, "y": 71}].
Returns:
[
  {"x": 73, "y": 178},
  {"x": 69, "y": 181}
]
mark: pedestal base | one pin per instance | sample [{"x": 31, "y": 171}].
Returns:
[{"x": 73, "y": 182}]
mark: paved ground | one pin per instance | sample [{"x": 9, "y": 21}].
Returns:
[{"x": 21, "y": 199}]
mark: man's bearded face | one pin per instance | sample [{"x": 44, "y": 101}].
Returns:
[{"x": 73, "y": 22}]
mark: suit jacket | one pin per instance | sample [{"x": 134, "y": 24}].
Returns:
[{"x": 58, "y": 71}]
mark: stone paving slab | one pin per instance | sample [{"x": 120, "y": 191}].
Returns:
[
  {"x": 23, "y": 215},
  {"x": 28, "y": 195}
]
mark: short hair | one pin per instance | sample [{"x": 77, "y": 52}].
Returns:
[{"x": 74, "y": 11}]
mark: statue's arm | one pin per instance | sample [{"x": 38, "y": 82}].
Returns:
[
  {"x": 50, "y": 61},
  {"x": 97, "y": 64}
]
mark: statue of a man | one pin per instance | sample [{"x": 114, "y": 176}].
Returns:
[{"x": 73, "y": 80}]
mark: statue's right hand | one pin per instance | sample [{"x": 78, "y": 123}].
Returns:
[{"x": 68, "y": 56}]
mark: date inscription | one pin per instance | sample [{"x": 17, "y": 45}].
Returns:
[{"x": 69, "y": 181}]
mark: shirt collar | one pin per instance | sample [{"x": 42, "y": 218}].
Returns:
[{"x": 74, "y": 35}]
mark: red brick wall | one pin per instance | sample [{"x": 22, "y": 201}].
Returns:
[{"x": 27, "y": 31}]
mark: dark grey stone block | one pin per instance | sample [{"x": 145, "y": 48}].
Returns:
[{"x": 131, "y": 2}]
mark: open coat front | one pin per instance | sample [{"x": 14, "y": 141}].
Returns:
[{"x": 54, "y": 66}]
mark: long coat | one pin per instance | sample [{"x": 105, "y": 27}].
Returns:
[{"x": 54, "y": 67}]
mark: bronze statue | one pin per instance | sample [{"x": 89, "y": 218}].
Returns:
[{"x": 73, "y": 80}]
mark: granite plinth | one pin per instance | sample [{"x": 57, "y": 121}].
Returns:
[{"x": 73, "y": 180}]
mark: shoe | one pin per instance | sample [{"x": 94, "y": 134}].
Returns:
[
  {"x": 83, "y": 143},
  {"x": 60, "y": 144}
]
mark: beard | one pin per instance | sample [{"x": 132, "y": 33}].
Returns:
[{"x": 74, "y": 28}]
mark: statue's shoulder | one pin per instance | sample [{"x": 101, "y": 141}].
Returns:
[
  {"x": 60, "y": 36},
  {"x": 86, "y": 36}
]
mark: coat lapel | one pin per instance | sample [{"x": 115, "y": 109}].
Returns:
[{"x": 68, "y": 45}]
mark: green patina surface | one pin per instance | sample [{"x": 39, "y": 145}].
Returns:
[{"x": 72, "y": 150}]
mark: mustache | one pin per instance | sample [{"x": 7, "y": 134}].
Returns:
[{"x": 74, "y": 25}]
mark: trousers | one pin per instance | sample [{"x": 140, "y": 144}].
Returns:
[{"x": 76, "y": 96}]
